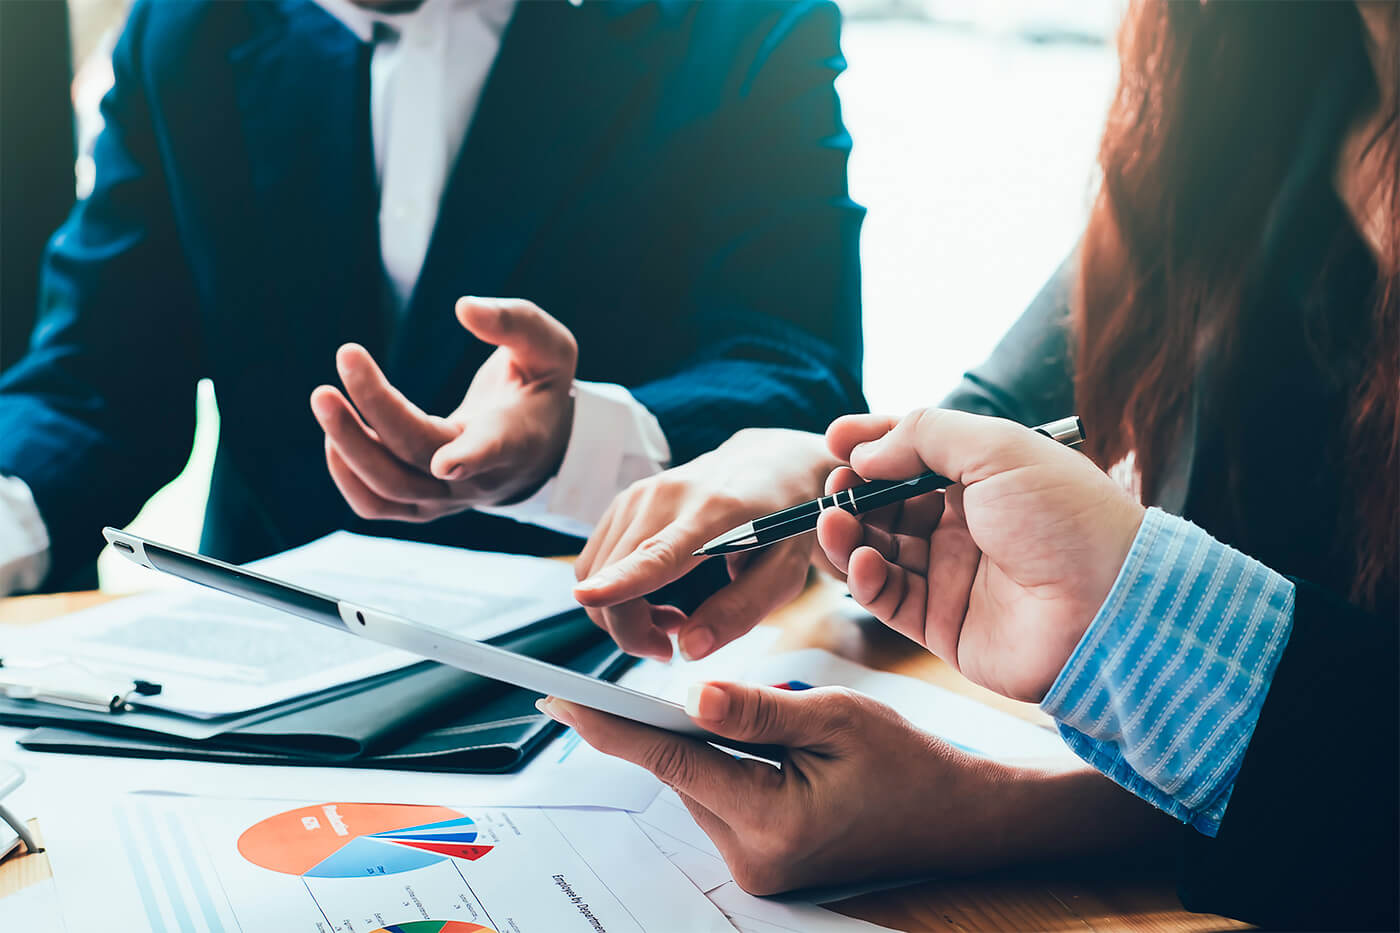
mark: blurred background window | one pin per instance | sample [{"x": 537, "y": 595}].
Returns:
[{"x": 975, "y": 125}]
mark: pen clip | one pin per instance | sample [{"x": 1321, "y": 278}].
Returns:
[
  {"x": 88, "y": 692},
  {"x": 1068, "y": 431}
]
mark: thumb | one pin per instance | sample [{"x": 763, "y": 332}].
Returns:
[
  {"x": 484, "y": 443},
  {"x": 540, "y": 345},
  {"x": 963, "y": 447},
  {"x": 812, "y": 719}
]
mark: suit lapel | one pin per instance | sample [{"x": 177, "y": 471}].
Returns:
[
  {"x": 302, "y": 86},
  {"x": 563, "y": 83}
]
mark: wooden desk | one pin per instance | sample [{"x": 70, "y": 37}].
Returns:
[{"x": 1041, "y": 899}]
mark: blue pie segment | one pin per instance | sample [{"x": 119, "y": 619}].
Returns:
[{"x": 365, "y": 856}]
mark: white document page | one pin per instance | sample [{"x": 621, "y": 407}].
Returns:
[
  {"x": 215, "y": 654},
  {"x": 32, "y": 909},
  {"x": 751, "y": 914},
  {"x": 674, "y": 831},
  {"x": 293, "y": 866}
]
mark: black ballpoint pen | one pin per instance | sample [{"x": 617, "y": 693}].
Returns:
[{"x": 866, "y": 497}]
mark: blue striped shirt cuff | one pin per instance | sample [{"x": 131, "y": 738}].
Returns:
[{"x": 1163, "y": 691}]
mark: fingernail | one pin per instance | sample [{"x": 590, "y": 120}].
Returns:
[
  {"x": 863, "y": 445},
  {"x": 456, "y": 472},
  {"x": 601, "y": 578},
  {"x": 706, "y": 701},
  {"x": 554, "y": 710},
  {"x": 697, "y": 643}
]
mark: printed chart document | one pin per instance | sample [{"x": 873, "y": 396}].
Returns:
[
  {"x": 216, "y": 655},
  {"x": 345, "y": 867},
  {"x": 674, "y": 831},
  {"x": 751, "y": 914}
]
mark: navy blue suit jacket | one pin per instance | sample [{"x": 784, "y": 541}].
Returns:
[{"x": 668, "y": 179}]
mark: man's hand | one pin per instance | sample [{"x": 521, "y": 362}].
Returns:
[
  {"x": 999, "y": 575},
  {"x": 391, "y": 460},
  {"x": 861, "y": 792},
  {"x": 646, "y": 539}
]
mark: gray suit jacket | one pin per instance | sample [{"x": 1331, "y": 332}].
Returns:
[{"x": 1029, "y": 378}]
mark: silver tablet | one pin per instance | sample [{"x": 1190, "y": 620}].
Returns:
[{"x": 423, "y": 640}]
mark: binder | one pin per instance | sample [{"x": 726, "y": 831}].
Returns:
[{"x": 426, "y": 717}]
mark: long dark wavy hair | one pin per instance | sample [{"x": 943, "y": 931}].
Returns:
[{"x": 1206, "y": 122}]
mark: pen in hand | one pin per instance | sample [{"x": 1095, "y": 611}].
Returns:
[{"x": 799, "y": 519}]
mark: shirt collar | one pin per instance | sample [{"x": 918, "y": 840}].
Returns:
[{"x": 361, "y": 20}]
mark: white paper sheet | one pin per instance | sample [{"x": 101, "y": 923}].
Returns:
[
  {"x": 320, "y": 866},
  {"x": 751, "y": 914},
  {"x": 216, "y": 654},
  {"x": 674, "y": 831},
  {"x": 32, "y": 909}
]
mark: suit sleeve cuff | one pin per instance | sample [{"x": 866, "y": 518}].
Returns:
[
  {"x": 24, "y": 539},
  {"x": 1163, "y": 691},
  {"x": 615, "y": 441}
]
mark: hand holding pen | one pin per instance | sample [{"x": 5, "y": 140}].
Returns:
[
  {"x": 1001, "y": 575},
  {"x": 647, "y": 537},
  {"x": 857, "y": 500}
]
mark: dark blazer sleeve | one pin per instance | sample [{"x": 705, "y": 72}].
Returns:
[
  {"x": 100, "y": 412},
  {"x": 773, "y": 337},
  {"x": 1309, "y": 838},
  {"x": 1029, "y": 377}
]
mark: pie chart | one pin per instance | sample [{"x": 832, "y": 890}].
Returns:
[
  {"x": 434, "y": 926},
  {"x": 355, "y": 840}
]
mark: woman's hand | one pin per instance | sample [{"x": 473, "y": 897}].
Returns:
[
  {"x": 999, "y": 575},
  {"x": 646, "y": 539},
  {"x": 861, "y": 792}
]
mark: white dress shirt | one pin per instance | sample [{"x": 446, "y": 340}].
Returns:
[{"x": 426, "y": 75}]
